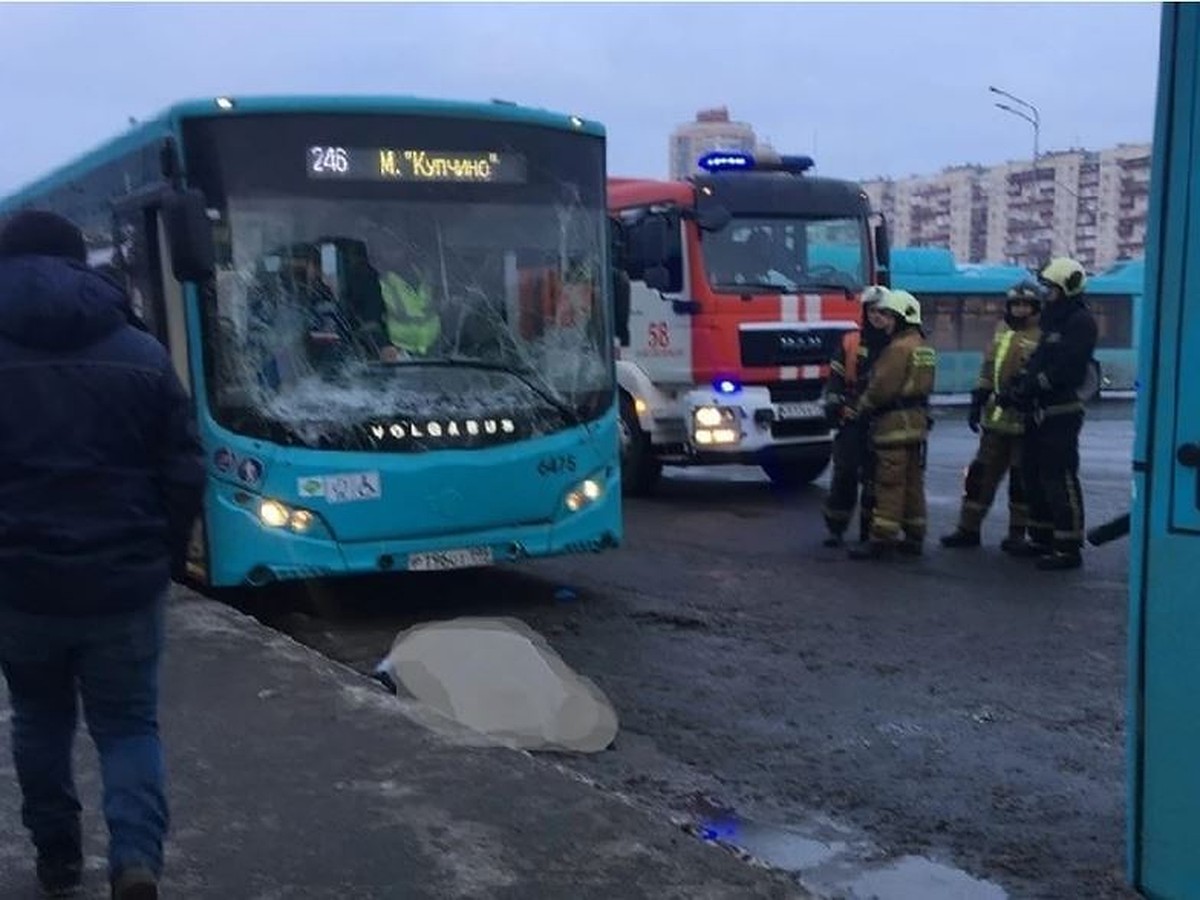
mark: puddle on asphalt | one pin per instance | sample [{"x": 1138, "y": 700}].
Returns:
[
  {"x": 917, "y": 878},
  {"x": 783, "y": 848},
  {"x": 839, "y": 868}
]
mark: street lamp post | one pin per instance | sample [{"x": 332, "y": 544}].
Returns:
[{"x": 1030, "y": 114}]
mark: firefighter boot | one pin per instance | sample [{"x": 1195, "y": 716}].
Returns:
[
  {"x": 1040, "y": 544},
  {"x": 911, "y": 547},
  {"x": 872, "y": 549},
  {"x": 834, "y": 540},
  {"x": 1065, "y": 555},
  {"x": 1014, "y": 542},
  {"x": 960, "y": 538}
]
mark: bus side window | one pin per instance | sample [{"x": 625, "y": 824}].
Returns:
[{"x": 138, "y": 259}]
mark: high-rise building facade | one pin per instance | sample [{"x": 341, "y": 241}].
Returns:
[{"x": 1087, "y": 204}]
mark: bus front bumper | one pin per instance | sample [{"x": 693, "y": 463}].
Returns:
[{"x": 253, "y": 556}]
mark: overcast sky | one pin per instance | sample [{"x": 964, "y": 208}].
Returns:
[{"x": 877, "y": 88}]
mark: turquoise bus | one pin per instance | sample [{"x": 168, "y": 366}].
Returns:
[
  {"x": 1163, "y": 724},
  {"x": 393, "y": 316},
  {"x": 961, "y": 304}
]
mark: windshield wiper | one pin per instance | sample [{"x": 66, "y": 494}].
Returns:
[
  {"x": 761, "y": 287},
  {"x": 525, "y": 376}
]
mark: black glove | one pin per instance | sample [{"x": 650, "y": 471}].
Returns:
[
  {"x": 975, "y": 416},
  {"x": 833, "y": 414}
]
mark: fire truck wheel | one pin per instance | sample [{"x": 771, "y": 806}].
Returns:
[
  {"x": 795, "y": 473},
  {"x": 640, "y": 471}
]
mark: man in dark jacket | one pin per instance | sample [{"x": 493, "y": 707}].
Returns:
[
  {"x": 101, "y": 478},
  {"x": 1050, "y": 391}
]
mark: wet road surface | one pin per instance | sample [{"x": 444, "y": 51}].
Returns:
[{"x": 962, "y": 707}]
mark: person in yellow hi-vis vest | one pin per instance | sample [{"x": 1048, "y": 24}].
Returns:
[
  {"x": 413, "y": 324},
  {"x": 1003, "y": 428}
]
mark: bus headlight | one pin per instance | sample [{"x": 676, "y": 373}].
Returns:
[
  {"x": 715, "y": 425},
  {"x": 584, "y": 494},
  {"x": 274, "y": 514}
]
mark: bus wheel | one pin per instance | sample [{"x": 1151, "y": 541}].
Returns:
[
  {"x": 793, "y": 474},
  {"x": 640, "y": 471}
]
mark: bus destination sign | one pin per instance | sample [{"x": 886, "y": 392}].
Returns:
[{"x": 414, "y": 166}]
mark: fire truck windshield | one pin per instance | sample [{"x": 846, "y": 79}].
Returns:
[{"x": 786, "y": 254}]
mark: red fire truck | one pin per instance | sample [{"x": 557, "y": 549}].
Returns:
[{"x": 742, "y": 282}]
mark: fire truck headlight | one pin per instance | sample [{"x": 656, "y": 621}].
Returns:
[
  {"x": 711, "y": 416},
  {"x": 716, "y": 425}
]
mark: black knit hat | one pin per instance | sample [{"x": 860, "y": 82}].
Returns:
[{"x": 37, "y": 233}]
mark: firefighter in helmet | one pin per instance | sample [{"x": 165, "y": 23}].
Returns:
[
  {"x": 1051, "y": 392},
  {"x": 895, "y": 406},
  {"x": 999, "y": 450},
  {"x": 848, "y": 374}
]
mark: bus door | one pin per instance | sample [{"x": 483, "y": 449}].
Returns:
[
  {"x": 143, "y": 255},
  {"x": 1164, "y": 713}
]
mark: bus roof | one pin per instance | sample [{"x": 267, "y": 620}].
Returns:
[
  {"x": 167, "y": 122},
  {"x": 934, "y": 270}
]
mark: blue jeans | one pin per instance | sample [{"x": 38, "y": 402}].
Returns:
[{"x": 112, "y": 664}]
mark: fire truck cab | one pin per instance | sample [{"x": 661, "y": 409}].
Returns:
[{"x": 742, "y": 283}]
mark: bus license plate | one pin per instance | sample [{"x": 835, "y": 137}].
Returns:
[
  {"x": 439, "y": 560},
  {"x": 810, "y": 410}
]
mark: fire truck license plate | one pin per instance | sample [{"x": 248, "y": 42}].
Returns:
[
  {"x": 810, "y": 410},
  {"x": 450, "y": 559}
]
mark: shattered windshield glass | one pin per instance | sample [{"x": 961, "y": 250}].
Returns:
[
  {"x": 787, "y": 255},
  {"x": 375, "y": 313}
]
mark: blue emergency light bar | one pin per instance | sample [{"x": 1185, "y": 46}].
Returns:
[
  {"x": 738, "y": 161},
  {"x": 722, "y": 161}
]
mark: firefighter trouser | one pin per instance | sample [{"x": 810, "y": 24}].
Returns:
[
  {"x": 899, "y": 492},
  {"x": 849, "y": 456},
  {"x": 1051, "y": 469},
  {"x": 998, "y": 454}
]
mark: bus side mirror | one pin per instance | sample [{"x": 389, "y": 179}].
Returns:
[{"x": 189, "y": 235}]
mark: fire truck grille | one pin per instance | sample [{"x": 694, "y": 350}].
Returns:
[{"x": 785, "y": 346}]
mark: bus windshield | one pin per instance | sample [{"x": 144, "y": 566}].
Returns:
[
  {"x": 786, "y": 254},
  {"x": 369, "y": 283}
]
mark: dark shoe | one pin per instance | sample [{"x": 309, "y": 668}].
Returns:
[
  {"x": 60, "y": 878},
  {"x": 1027, "y": 549},
  {"x": 834, "y": 540},
  {"x": 871, "y": 550},
  {"x": 1060, "y": 561},
  {"x": 60, "y": 867},
  {"x": 960, "y": 538},
  {"x": 1012, "y": 545},
  {"x": 136, "y": 883},
  {"x": 911, "y": 548}
]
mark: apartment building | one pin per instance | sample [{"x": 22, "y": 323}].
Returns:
[{"x": 1088, "y": 204}]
